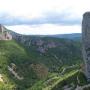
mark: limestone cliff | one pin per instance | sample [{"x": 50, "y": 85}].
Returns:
[
  {"x": 86, "y": 42},
  {"x": 4, "y": 33}
]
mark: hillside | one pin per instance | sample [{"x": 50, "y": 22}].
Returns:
[
  {"x": 55, "y": 51},
  {"x": 15, "y": 57},
  {"x": 32, "y": 62}
]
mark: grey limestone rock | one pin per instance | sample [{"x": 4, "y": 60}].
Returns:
[{"x": 86, "y": 42}]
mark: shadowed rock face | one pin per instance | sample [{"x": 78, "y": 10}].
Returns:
[{"x": 86, "y": 42}]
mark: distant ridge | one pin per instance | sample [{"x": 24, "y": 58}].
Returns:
[{"x": 73, "y": 36}]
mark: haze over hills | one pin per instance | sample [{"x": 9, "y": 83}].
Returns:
[
  {"x": 38, "y": 63},
  {"x": 73, "y": 36}
]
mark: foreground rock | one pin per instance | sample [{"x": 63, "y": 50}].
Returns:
[{"x": 86, "y": 42}]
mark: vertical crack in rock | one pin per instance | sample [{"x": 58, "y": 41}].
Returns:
[{"x": 86, "y": 42}]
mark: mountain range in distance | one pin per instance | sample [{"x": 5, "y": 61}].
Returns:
[
  {"x": 68, "y": 36},
  {"x": 71, "y": 36}
]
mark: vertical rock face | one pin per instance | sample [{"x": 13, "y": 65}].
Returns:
[{"x": 86, "y": 42}]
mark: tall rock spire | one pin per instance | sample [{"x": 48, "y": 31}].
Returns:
[{"x": 86, "y": 42}]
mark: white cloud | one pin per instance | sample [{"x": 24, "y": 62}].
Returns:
[
  {"x": 45, "y": 29},
  {"x": 38, "y": 8}
]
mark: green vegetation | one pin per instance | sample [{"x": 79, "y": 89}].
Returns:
[
  {"x": 67, "y": 52},
  {"x": 11, "y": 52},
  {"x": 57, "y": 82},
  {"x": 28, "y": 64}
]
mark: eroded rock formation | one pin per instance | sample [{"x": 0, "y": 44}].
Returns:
[
  {"x": 4, "y": 34},
  {"x": 86, "y": 42}
]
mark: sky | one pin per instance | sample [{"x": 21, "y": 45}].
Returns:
[{"x": 43, "y": 16}]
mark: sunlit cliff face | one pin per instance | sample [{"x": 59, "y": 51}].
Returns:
[{"x": 4, "y": 34}]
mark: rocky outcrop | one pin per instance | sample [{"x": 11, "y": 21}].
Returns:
[
  {"x": 86, "y": 42},
  {"x": 41, "y": 50},
  {"x": 4, "y": 34},
  {"x": 12, "y": 69},
  {"x": 39, "y": 43},
  {"x": 1, "y": 78}
]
